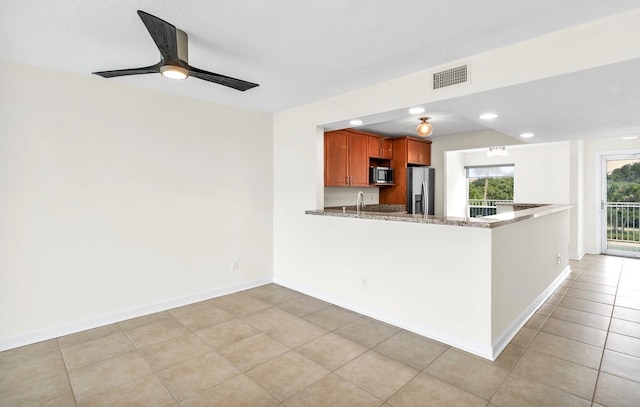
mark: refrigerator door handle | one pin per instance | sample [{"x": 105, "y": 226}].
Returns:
[
  {"x": 425, "y": 203},
  {"x": 427, "y": 192}
]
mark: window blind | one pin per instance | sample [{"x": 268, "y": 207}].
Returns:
[{"x": 490, "y": 171}]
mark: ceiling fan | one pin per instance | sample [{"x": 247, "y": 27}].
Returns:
[{"x": 174, "y": 50}]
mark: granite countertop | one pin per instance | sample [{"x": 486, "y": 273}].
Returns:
[
  {"x": 519, "y": 204},
  {"x": 389, "y": 213}
]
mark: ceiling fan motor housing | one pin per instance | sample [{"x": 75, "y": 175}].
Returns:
[
  {"x": 178, "y": 69},
  {"x": 182, "y": 45}
]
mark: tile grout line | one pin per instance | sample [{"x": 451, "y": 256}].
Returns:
[
  {"x": 510, "y": 370},
  {"x": 242, "y": 373},
  {"x": 153, "y": 369},
  {"x": 580, "y": 310},
  {"x": 66, "y": 371},
  {"x": 529, "y": 343},
  {"x": 98, "y": 361},
  {"x": 192, "y": 331},
  {"x": 604, "y": 346}
]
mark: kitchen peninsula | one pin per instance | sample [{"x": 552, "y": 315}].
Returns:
[
  {"x": 469, "y": 282},
  {"x": 399, "y": 215}
]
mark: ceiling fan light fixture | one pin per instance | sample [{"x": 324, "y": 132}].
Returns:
[
  {"x": 174, "y": 72},
  {"x": 425, "y": 128}
]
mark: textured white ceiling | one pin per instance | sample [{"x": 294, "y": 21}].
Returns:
[
  {"x": 597, "y": 102},
  {"x": 299, "y": 51}
]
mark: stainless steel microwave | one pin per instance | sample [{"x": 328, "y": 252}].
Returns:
[{"x": 380, "y": 175}]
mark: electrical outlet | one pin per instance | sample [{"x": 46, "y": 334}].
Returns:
[
  {"x": 236, "y": 265},
  {"x": 559, "y": 259},
  {"x": 363, "y": 282}
]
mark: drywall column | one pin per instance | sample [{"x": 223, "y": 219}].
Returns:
[{"x": 576, "y": 196}]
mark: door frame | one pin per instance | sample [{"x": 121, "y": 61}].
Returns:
[{"x": 601, "y": 195}]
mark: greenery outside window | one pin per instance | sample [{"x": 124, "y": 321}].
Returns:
[{"x": 488, "y": 186}]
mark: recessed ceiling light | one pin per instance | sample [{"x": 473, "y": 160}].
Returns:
[
  {"x": 355, "y": 122},
  {"x": 488, "y": 116},
  {"x": 416, "y": 110},
  {"x": 526, "y": 135},
  {"x": 629, "y": 137}
]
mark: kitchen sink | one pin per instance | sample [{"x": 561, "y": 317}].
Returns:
[{"x": 378, "y": 208}]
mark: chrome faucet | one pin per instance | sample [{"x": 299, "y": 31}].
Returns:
[{"x": 360, "y": 201}]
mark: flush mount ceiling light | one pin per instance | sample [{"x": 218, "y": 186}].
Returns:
[
  {"x": 355, "y": 122},
  {"x": 424, "y": 129},
  {"x": 526, "y": 135},
  {"x": 629, "y": 137},
  {"x": 488, "y": 116},
  {"x": 416, "y": 110},
  {"x": 499, "y": 151},
  {"x": 174, "y": 72}
]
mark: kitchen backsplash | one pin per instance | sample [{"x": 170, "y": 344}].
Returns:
[{"x": 343, "y": 196}]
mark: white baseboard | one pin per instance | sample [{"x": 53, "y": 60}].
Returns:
[
  {"x": 73, "y": 327},
  {"x": 468, "y": 345},
  {"x": 513, "y": 330},
  {"x": 576, "y": 256}
]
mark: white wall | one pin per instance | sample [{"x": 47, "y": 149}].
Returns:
[
  {"x": 544, "y": 173},
  {"x": 541, "y": 173},
  {"x": 113, "y": 199},
  {"x": 406, "y": 266},
  {"x": 346, "y": 196},
  {"x": 576, "y": 193},
  {"x": 442, "y": 145},
  {"x": 312, "y": 252},
  {"x": 525, "y": 264},
  {"x": 455, "y": 196}
]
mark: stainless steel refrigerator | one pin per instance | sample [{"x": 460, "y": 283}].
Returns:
[{"x": 420, "y": 187}]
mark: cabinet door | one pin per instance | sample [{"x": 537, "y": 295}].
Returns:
[
  {"x": 413, "y": 151},
  {"x": 374, "y": 146},
  {"x": 358, "y": 160},
  {"x": 336, "y": 158},
  {"x": 418, "y": 152},
  {"x": 425, "y": 154},
  {"x": 387, "y": 149}
]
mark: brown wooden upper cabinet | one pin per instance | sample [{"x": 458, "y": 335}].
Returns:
[
  {"x": 346, "y": 160},
  {"x": 418, "y": 152},
  {"x": 407, "y": 152},
  {"x": 380, "y": 148}
]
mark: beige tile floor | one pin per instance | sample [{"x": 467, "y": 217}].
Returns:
[{"x": 271, "y": 346}]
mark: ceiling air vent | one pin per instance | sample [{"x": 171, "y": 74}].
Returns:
[{"x": 450, "y": 77}]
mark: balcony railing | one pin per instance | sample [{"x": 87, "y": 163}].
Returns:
[
  {"x": 623, "y": 221},
  {"x": 484, "y": 207}
]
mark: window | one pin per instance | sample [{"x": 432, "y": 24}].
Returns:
[{"x": 487, "y": 186}]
